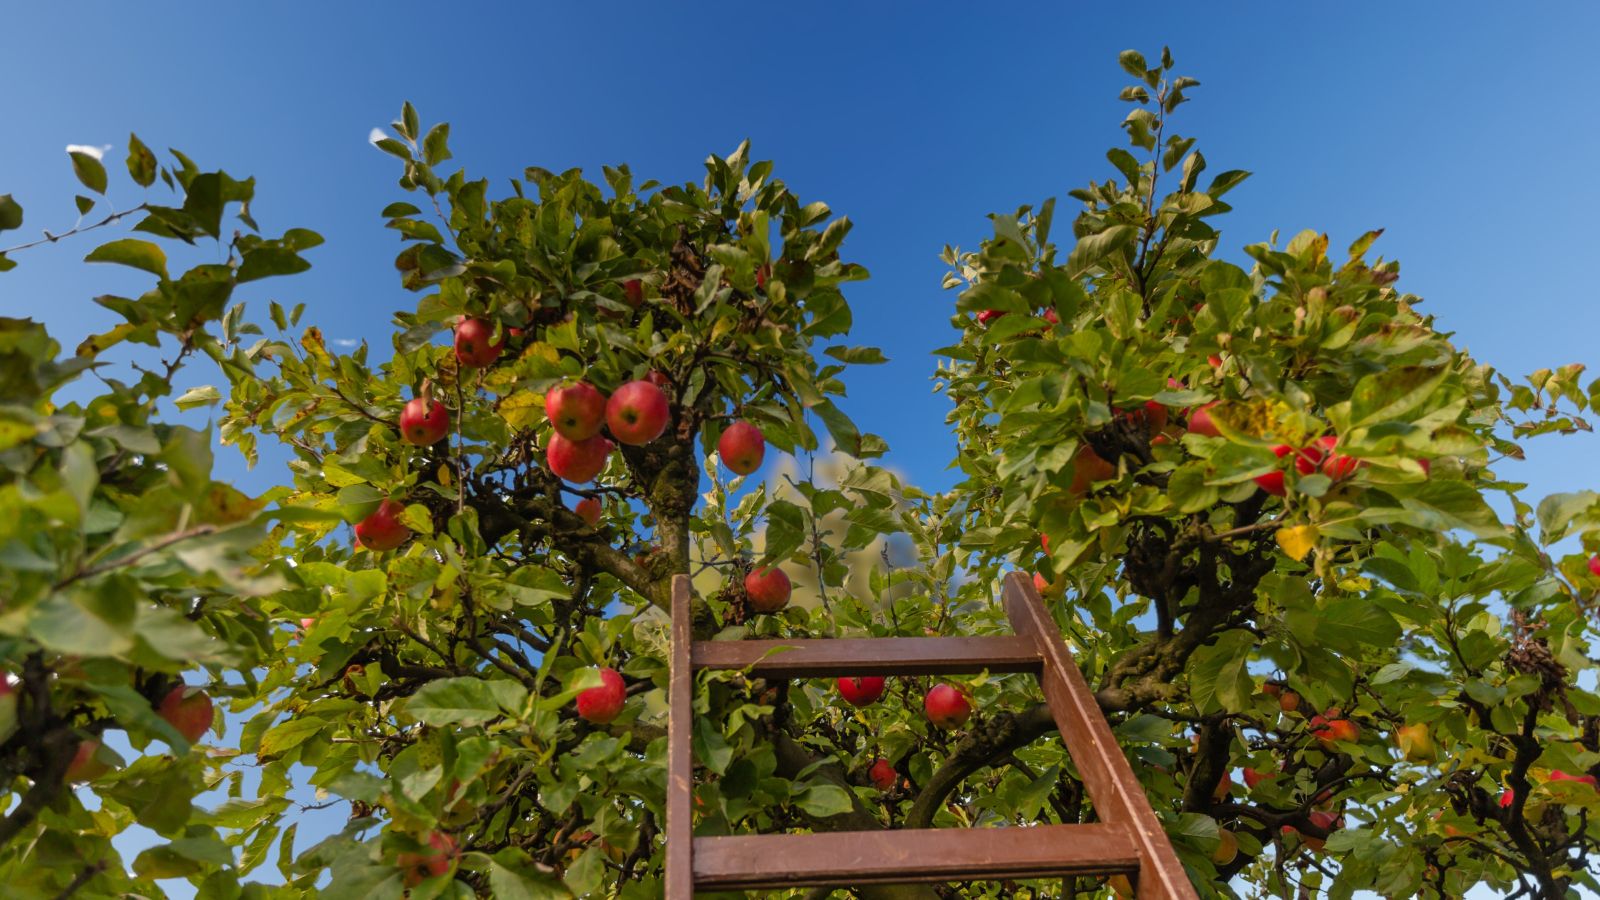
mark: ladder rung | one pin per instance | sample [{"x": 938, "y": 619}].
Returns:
[
  {"x": 775, "y": 861},
  {"x": 821, "y": 658}
]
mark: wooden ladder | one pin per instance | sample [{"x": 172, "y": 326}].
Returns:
[{"x": 1127, "y": 839}]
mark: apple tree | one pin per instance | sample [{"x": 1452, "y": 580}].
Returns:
[
  {"x": 127, "y": 569},
  {"x": 1261, "y": 491}
]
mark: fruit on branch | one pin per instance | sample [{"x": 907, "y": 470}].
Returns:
[
  {"x": 1327, "y": 821},
  {"x": 589, "y": 510},
  {"x": 658, "y": 378},
  {"x": 882, "y": 774},
  {"x": 187, "y": 709},
  {"x": 577, "y": 461},
  {"x": 1227, "y": 847},
  {"x": 1288, "y": 700},
  {"x": 1046, "y": 588},
  {"x": 1200, "y": 421},
  {"x": 633, "y": 289},
  {"x": 424, "y": 421},
  {"x": 1330, "y": 728},
  {"x": 989, "y": 315},
  {"x": 1272, "y": 482},
  {"x": 8, "y": 707},
  {"x": 1558, "y": 775},
  {"x": 1253, "y": 777},
  {"x": 1087, "y": 468},
  {"x": 601, "y": 704},
  {"x": 85, "y": 765},
  {"x": 947, "y": 706},
  {"x": 435, "y": 859},
  {"x": 1312, "y": 455},
  {"x": 1416, "y": 744},
  {"x": 862, "y": 691},
  {"x": 637, "y": 413},
  {"x": 474, "y": 349},
  {"x": 1051, "y": 316},
  {"x": 741, "y": 447},
  {"x": 1224, "y": 787},
  {"x": 382, "y": 529},
  {"x": 767, "y": 588},
  {"x": 1149, "y": 418},
  {"x": 307, "y": 622},
  {"x": 576, "y": 411},
  {"x": 763, "y": 272},
  {"x": 1594, "y": 565}
]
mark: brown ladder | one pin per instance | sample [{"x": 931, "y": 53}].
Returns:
[{"x": 1127, "y": 839}]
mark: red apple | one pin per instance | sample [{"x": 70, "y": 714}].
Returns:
[
  {"x": 424, "y": 421},
  {"x": 1044, "y": 541},
  {"x": 1427, "y": 467},
  {"x": 741, "y": 447},
  {"x": 307, "y": 622},
  {"x": 1594, "y": 565},
  {"x": 602, "y": 704},
  {"x": 1150, "y": 418},
  {"x": 1087, "y": 468},
  {"x": 1558, "y": 775},
  {"x": 1253, "y": 777},
  {"x": 1507, "y": 797},
  {"x": 762, "y": 274},
  {"x": 989, "y": 315},
  {"x": 8, "y": 707},
  {"x": 1327, "y": 821},
  {"x": 637, "y": 413},
  {"x": 947, "y": 706},
  {"x": 577, "y": 461},
  {"x": 473, "y": 347},
  {"x": 768, "y": 589},
  {"x": 1288, "y": 700},
  {"x": 1223, "y": 787},
  {"x": 1215, "y": 361},
  {"x": 1312, "y": 455},
  {"x": 1272, "y": 482},
  {"x": 882, "y": 774},
  {"x": 383, "y": 530},
  {"x": 435, "y": 859},
  {"x": 1331, "y": 728},
  {"x": 84, "y": 765},
  {"x": 1200, "y": 420},
  {"x": 576, "y": 411},
  {"x": 589, "y": 509},
  {"x": 658, "y": 378},
  {"x": 187, "y": 709},
  {"x": 862, "y": 691},
  {"x": 1052, "y": 317},
  {"x": 633, "y": 289}
]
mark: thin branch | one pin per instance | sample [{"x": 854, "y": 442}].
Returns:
[{"x": 52, "y": 238}]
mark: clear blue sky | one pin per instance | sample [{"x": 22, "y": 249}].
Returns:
[{"x": 1467, "y": 131}]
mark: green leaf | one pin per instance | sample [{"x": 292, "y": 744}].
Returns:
[
  {"x": 89, "y": 170},
  {"x": 198, "y": 396},
  {"x": 435, "y": 147},
  {"x": 141, "y": 162},
  {"x": 861, "y": 356},
  {"x": 1348, "y": 624},
  {"x": 289, "y": 734},
  {"x": 455, "y": 701},
  {"x": 513, "y": 875},
  {"x": 845, "y": 435},
  {"x": 10, "y": 213},
  {"x": 132, "y": 252},
  {"x": 824, "y": 800}
]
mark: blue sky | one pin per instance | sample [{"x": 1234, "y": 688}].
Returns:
[{"x": 1464, "y": 130}]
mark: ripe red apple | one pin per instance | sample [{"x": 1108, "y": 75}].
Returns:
[
  {"x": 382, "y": 529},
  {"x": 1150, "y": 418},
  {"x": 1200, "y": 420},
  {"x": 1253, "y": 777},
  {"x": 767, "y": 588},
  {"x": 1052, "y": 317},
  {"x": 577, "y": 461},
  {"x": 633, "y": 289},
  {"x": 638, "y": 412},
  {"x": 589, "y": 509},
  {"x": 882, "y": 774},
  {"x": 1330, "y": 728},
  {"x": 1044, "y": 541},
  {"x": 989, "y": 315},
  {"x": 435, "y": 859},
  {"x": 1312, "y": 455},
  {"x": 762, "y": 274},
  {"x": 1324, "y": 820},
  {"x": 1288, "y": 700},
  {"x": 1046, "y": 589},
  {"x": 1087, "y": 468},
  {"x": 576, "y": 411},
  {"x": 658, "y": 378},
  {"x": 1558, "y": 775},
  {"x": 1215, "y": 361},
  {"x": 1272, "y": 482},
  {"x": 84, "y": 765},
  {"x": 862, "y": 691},
  {"x": 1224, "y": 786},
  {"x": 473, "y": 347},
  {"x": 424, "y": 421},
  {"x": 741, "y": 447},
  {"x": 602, "y": 704},
  {"x": 947, "y": 706},
  {"x": 1594, "y": 565},
  {"x": 187, "y": 709}
]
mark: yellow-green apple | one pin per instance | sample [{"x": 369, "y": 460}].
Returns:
[
  {"x": 187, "y": 709},
  {"x": 603, "y": 703},
  {"x": 1227, "y": 847},
  {"x": 1415, "y": 742},
  {"x": 588, "y": 509},
  {"x": 862, "y": 691},
  {"x": 424, "y": 421},
  {"x": 947, "y": 706},
  {"x": 741, "y": 447},
  {"x": 437, "y": 855},
  {"x": 576, "y": 411},
  {"x": 382, "y": 529},
  {"x": 577, "y": 461},
  {"x": 768, "y": 589},
  {"x": 637, "y": 412},
  {"x": 475, "y": 344}
]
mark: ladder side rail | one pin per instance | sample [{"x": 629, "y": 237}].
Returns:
[
  {"x": 1113, "y": 788},
  {"x": 680, "y": 762}
]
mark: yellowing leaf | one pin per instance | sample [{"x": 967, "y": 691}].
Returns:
[
  {"x": 1297, "y": 540},
  {"x": 524, "y": 409}
]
